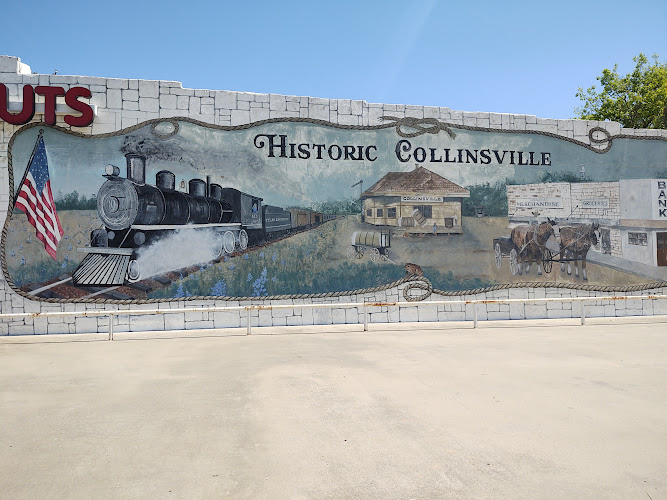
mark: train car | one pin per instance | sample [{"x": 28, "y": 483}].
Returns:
[
  {"x": 276, "y": 221},
  {"x": 300, "y": 217},
  {"x": 316, "y": 218}
]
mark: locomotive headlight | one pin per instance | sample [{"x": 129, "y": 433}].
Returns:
[
  {"x": 112, "y": 170},
  {"x": 111, "y": 235}
]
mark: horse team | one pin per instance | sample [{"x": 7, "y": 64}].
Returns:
[{"x": 539, "y": 242}]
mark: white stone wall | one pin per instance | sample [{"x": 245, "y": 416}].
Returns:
[{"x": 125, "y": 102}]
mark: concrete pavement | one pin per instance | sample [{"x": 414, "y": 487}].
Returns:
[{"x": 524, "y": 409}]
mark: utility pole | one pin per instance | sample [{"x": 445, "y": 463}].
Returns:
[{"x": 361, "y": 190}]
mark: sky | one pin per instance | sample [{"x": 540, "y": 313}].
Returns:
[{"x": 523, "y": 57}]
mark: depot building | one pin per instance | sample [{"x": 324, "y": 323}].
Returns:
[{"x": 418, "y": 201}]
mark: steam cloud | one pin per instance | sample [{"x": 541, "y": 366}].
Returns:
[
  {"x": 181, "y": 249},
  {"x": 195, "y": 152}
]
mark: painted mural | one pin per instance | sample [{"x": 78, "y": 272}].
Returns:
[{"x": 176, "y": 209}]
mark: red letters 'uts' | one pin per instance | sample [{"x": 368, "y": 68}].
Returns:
[{"x": 50, "y": 93}]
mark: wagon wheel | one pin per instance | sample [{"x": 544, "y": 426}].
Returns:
[
  {"x": 384, "y": 255},
  {"x": 351, "y": 252},
  {"x": 228, "y": 241},
  {"x": 360, "y": 252},
  {"x": 547, "y": 260},
  {"x": 499, "y": 255},
  {"x": 375, "y": 254},
  {"x": 133, "y": 272},
  {"x": 514, "y": 266}
]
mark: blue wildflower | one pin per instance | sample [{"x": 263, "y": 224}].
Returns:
[
  {"x": 231, "y": 267},
  {"x": 261, "y": 255},
  {"x": 245, "y": 256},
  {"x": 274, "y": 257},
  {"x": 249, "y": 278},
  {"x": 258, "y": 287},
  {"x": 219, "y": 289},
  {"x": 274, "y": 279}
]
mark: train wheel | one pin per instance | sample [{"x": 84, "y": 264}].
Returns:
[
  {"x": 499, "y": 255},
  {"x": 133, "y": 272},
  {"x": 375, "y": 254},
  {"x": 351, "y": 253},
  {"x": 228, "y": 242},
  {"x": 514, "y": 265},
  {"x": 243, "y": 239}
]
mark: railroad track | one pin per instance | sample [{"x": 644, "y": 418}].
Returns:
[{"x": 62, "y": 287}]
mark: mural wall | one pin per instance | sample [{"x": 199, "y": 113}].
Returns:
[
  {"x": 176, "y": 208},
  {"x": 118, "y": 193}
]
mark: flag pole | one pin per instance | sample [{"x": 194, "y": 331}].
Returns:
[{"x": 27, "y": 168}]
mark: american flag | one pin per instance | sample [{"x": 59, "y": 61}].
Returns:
[{"x": 36, "y": 200}]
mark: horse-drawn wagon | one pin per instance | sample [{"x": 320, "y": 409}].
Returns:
[
  {"x": 538, "y": 243},
  {"x": 376, "y": 242},
  {"x": 531, "y": 243}
]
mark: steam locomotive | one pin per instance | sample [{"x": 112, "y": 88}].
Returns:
[{"x": 136, "y": 214}]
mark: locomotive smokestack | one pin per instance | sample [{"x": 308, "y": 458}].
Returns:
[
  {"x": 136, "y": 168},
  {"x": 208, "y": 185}
]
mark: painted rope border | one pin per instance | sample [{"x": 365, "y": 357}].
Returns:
[{"x": 419, "y": 125}]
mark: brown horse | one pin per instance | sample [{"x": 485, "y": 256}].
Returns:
[
  {"x": 531, "y": 240},
  {"x": 575, "y": 241}
]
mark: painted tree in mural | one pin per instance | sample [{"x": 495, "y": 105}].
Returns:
[{"x": 636, "y": 100}]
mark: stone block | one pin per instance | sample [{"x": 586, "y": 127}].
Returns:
[
  {"x": 226, "y": 319},
  {"x": 117, "y": 83},
  {"x": 57, "y": 328},
  {"x": 277, "y": 102},
  {"x": 379, "y": 317},
  {"x": 149, "y": 88},
  {"x": 265, "y": 317},
  {"x": 348, "y": 119},
  {"x": 21, "y": 330},
  {"x": 240, "y": 117},
  {"x": 279, "y": 321},
  {"x": 408, "y": 313},
  {"x": 130, "y": 105},
  {"x": 338, "y": 316},
  {"x": 149, "y": 104},
  {"x": 535, "y": 311},
  {"x": 199, "y": 325},
  {"x": 86, "y": 324},
  {"x": 114, "y": 99},
  {"x": 168, "y": 101},
  {"x": 257, "y": 114},
  {"x": 307, "y": 317},
  {"x": 352, "y": 316},
  {"x": 497, "y": 315},
  {"x": 322, "y": 316},
  {"x": 130, "y": 95},
  {"x": 427, "y": 313},
  {"x": 174, "y": 321},
  {"x": 294, "y": 321}
]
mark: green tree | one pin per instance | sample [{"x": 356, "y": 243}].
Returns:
[
  {"x": 636, "y": 100},
  {"x": 492, "y": 197}
]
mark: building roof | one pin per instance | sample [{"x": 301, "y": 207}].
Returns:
[{"x": 419, "y": 180}]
